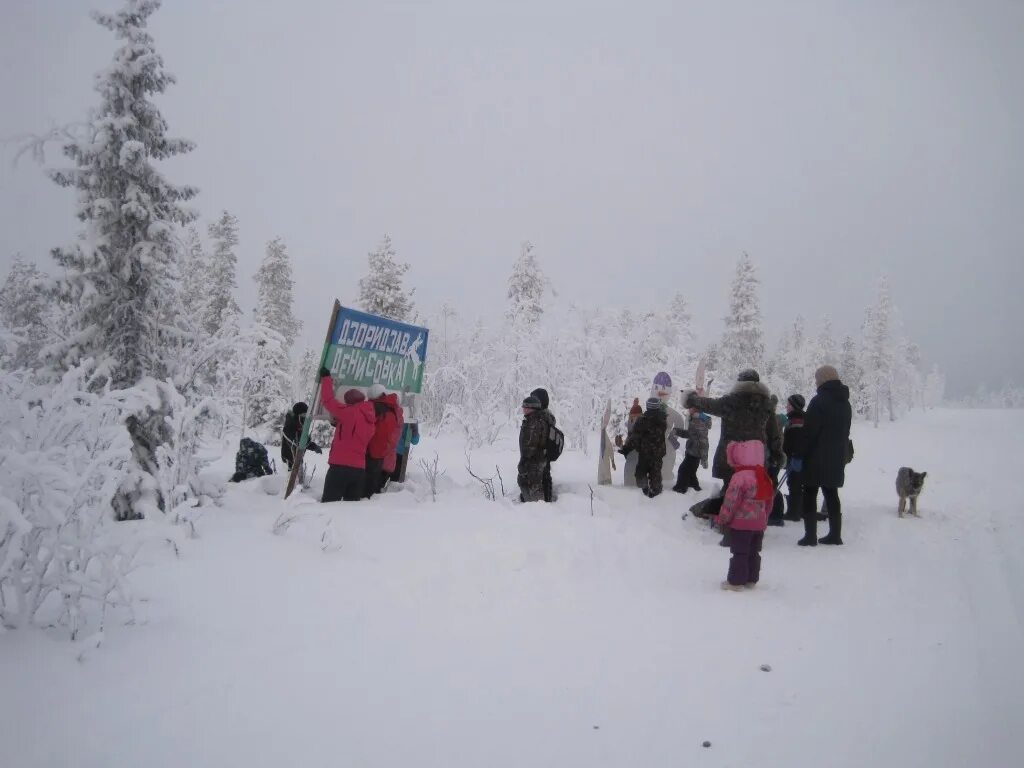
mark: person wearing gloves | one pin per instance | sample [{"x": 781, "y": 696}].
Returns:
[
  {"x": 346, "y": 475},
  {"x": 294, "y": 420}
]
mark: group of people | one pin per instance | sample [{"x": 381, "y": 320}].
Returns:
[
  {"x": 756, "y": 444},
  {"x": 370, "y": 440}
]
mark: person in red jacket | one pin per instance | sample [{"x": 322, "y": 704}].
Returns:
[
  {"x": 346, "y": 477},
  {"x": 391, "y": 457},
  {"x": 377, "y": 450}
]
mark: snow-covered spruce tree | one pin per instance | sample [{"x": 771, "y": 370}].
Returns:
[
  {"x": 195, "y": 271},
  {"x": 381, "y": 292},
  {"x": 24, "y": 308},
  {"x": 263, "y": 377},
  {"x": 878, "y": 355},
  {"x": 742, "y": 343},
  {"x": 683, "y": 357},
  {"x": 220, "y": 308},
  {"x": 275, "y": 331},
  {"x": 852, "y": 373},
  {"x": 275, "y": 297},
  {"x": 526, "y": 288},
  {"x": 825, "y": 344},
  {"x": 117, "y": 278}
]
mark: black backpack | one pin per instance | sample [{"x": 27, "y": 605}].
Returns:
[{"x": 555, "y": 443}]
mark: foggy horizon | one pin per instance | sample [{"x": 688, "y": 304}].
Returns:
[{"x": 640, "y": 153}]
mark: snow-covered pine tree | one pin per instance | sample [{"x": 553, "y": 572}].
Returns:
[
  {"x": 878, "y": 351},
  {"x": 118, "y": 278},
  {"x": 526, "y": 288},
  {"x": 263, "y": 377},
  {"x": 852, "y": 374},
  {"x": 195, "y": 273},
  {"x": 742, "y": 343},
  {"x": 220, "y": 308},
  {"x": 381, "y": 292},
  {"x": 24, "y": 308},
  {"x": 275, "y": 299},
  {"x": 113, "y": 274},
  {"x": 825, "y": 344},
  {"x": 276, "y": 330}
]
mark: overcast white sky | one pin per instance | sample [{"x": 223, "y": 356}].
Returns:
[{"x": 640, "y": 146}]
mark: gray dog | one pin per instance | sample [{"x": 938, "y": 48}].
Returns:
[{"x": 909, "y": 485}]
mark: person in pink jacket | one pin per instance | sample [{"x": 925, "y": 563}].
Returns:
[
  {"x": 748, "y": 500},
  {"x": 346, "y": 476}
]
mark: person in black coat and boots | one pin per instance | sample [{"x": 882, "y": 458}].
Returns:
[
  {"x": 822, "y": 454},
  {"x": 542, "y": 396}
]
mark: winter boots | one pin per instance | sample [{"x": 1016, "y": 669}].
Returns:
[
  {"x": 835, "y": 529},
  {"x": 810, "y": 538},
  {"x": 732, "y": 587}
]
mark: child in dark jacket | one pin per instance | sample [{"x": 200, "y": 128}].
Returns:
[
  {"x": 745, "y": 509},
  {"x": 696, "y": 434},
  {"x": 648, "y": 440},
  {"x": 791, "y": 437}
]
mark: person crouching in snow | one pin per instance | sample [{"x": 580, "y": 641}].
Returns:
[
  {"x": 745, "y": 508},
  {"x": 533, "y": 443},
  {"x": 629, "y": 465},
  {"x": 346, "y": 476},
  {"x": 696, "y": 435},
  {"x": 648, "y": 440}
]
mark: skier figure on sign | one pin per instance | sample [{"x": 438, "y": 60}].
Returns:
[{"x": 662, "y": 389}]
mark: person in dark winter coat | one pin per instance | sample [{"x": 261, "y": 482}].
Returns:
[
  {"x": 346, "y": 476},
  {"x": 648, "y": 440},
  {"x": 545, "y": 401},
  {"x": 533, "y": 443},
  {"x": 250, "y": 461},
  {"x": 696, "y": 434},
  {"x": 790, "y": 441},
  {"x": 292, "y": 431},
  {"x": 747, "y": 413},
  {"x": 821, "y": 454}
]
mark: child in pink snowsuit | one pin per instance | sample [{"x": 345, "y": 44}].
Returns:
[{"x": 748, "y": 500}]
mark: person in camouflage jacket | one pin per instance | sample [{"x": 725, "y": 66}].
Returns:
[
  {"x": 250, "y": 461},
  {"x": 533, "y": 443},
  {"x": 648, "y": 440}
]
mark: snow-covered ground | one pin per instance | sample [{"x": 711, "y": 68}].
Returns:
[{"x": 464, "y": 632}]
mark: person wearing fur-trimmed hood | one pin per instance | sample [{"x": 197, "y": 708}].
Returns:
[{"x": 747, "y": 413}]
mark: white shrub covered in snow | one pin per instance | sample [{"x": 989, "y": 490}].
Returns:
[{"x": 63, "y": 456}]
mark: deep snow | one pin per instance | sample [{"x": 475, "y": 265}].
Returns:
[{"x": 472, "y": 633}]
